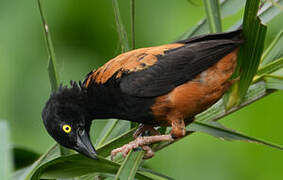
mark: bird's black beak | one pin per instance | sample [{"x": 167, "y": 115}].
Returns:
[{"x": 84, "y": 145}]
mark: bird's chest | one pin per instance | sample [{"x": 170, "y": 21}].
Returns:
[
  {"x": 111, "y": 102},
  {"x": 135, "y": 109}
]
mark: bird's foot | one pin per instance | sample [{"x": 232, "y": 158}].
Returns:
[{"x": 142, "y": 142}]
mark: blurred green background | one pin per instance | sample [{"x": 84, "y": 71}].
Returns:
[{"x": 84, "y": 37}]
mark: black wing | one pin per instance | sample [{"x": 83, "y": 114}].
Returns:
[{"x": 180, "y": 65}]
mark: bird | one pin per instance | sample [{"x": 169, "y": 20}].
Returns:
[{"x": 160, "y": 86}]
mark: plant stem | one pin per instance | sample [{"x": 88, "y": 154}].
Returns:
[
  {"x": 212, "y": 9},
  {"x": 120, "y": 27},
  {"x": 133, "y": 17},
  {"x": 53, "y": 76}
]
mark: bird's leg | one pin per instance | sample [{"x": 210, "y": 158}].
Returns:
[{"x": 178, "y": 128}]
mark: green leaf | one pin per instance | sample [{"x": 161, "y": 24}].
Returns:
[
  {"x": 53, "y": 75},
  {"x": 250, "y": 52},
  {"x": 120, "y": 27},
  {"x": 230, "y": 7},
  {"x": 133, "y": 18},
  {"x": 274, "y": 82},
  {"x": 212, "y": 10},
  {"x": 107, "y": 130},
  {"x": 6, "y": 165},
  {"x": 266, "y": 13},
  {"x": 78, "y": 165},
  {"x": 130, "y": 165},
  {"x": 227, "y": 8},
  {"x": 219, "y": 131},
  {"x": 94, "y": 176},
  {"x": 274, "y": 50},
  {"x": 52, "y": 153},
  {"x": 154, "y": 175},
  {"x": 269, "y": 11},
  {"x": 23, "y": 157},
  {"x": 74, "y": 166},
  {"x": 271, "y": 67}
]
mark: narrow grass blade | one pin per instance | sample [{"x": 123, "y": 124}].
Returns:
[
  {"x": 219, "y": 131},
  {"x": 212, "y": 10},
  {"x": 120, "y": 27},
  {"x": 108, "y": 128},
  {"x": 6, "y": 163},
  {"x": 274, "y": 50},
  {"x": 96, "y": 176},
  {"x": 271, "y": 67},
  {"x": 250, "y": 52},
  {"x": 154, "y": 175},
  {"x": 52, "y": 69},
  {"x": 133, "y": 23},
  {"x": 274, "y": 82},
  {"x": 130, "y": 166},
  {"x": 24, "y": 157}
]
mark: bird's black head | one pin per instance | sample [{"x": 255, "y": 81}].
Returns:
[{"x": 67, "y": 121}]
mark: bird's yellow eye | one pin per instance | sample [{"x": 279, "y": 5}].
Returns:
[{"x": 67, "y": 128}]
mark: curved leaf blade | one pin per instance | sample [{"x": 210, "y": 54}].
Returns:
[
  {"x": 130, "y": 165},
  {"x": 250, "y": 52},
  {"x": 77, "y": 165},
  {"x": 74, "y": 166},
  {"x": 219, "y": 131}
]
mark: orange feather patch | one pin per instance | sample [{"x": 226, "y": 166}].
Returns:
[{"x": 131, "y": 61}]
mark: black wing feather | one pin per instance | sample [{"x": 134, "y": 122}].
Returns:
[{"x": 177, "y": 66}]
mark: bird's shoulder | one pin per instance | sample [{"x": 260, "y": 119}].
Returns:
[{"x": 132, "y": 61}]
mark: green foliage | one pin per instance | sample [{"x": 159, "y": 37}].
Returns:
[
  {"x": 120, "y": 27},
  {"x": 269, "y": 77},
  {"x": 212, "y": 9},
  {"x": 52, "y": 69},
  {"x": 130, "y": 165},
  {"x": 250, "y": 52}
]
